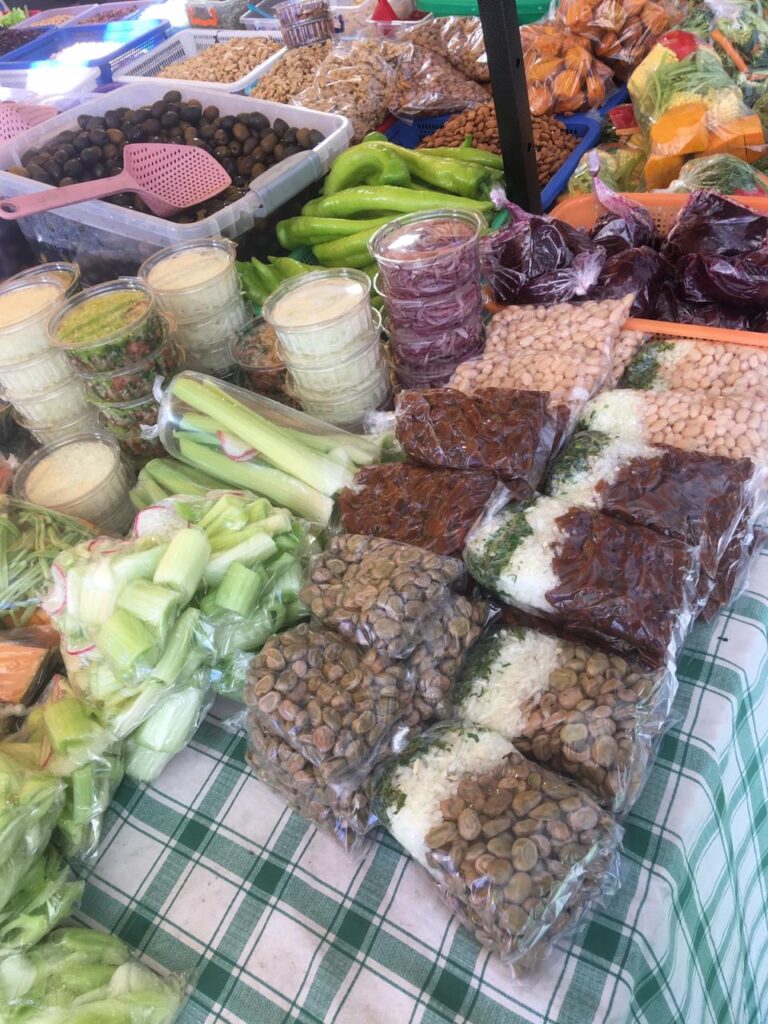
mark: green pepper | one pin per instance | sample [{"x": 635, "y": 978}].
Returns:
[
  {"x": 346, "y": 252},
  {"x": 309, "y": 230},
  {"x": 470, "y": 155},
  {"x": 453, "y": 176},
  {"x": 270, "y": 279},
  {"x": 287, "y": 267},
  {"x": 390, "y": 199},
  {"x": 363, "y": 165},
  {"x": 251, "y": 283}
]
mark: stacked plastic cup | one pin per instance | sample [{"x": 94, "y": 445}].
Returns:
[
  {"x": 197, "y": 287},
  {"x": 304, "y": 22},
  {"x": 429, "y": 279},
  {"x": 35, "y": 379},
  {"x": 330, "y": 342},
  {"x": 115, "y": 338}
]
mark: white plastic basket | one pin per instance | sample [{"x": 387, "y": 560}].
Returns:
[
  {"x": 117, "y": 240},
  {"x": 254, "y": 23},
  {"x": 73, "y": 14},
  {"x": 189, "y": 43},
  {"x": 68, "y": 79}
]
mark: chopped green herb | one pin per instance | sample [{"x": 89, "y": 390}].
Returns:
[
  {"x": 641, "y": 372},
  {"x": 576, "y": 458}
]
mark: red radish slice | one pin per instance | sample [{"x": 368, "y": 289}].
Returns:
[
  {"x": 56, "y": 598},
  {"x": 78, "y": 652},
  {"x": 234, "y": 448}
]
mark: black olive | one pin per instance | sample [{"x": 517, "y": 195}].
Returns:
[
  {"x": 151, "y": 126},
  {"x": 235, "y": 148},
  {"x": 244, "y": 165},
  {"x": 316, "y": 137},
  {"x": 90, "y": 155},
  {"x": 211, "y": 113},
  {"x": 110, "y": 151},
  {"x": 221, "y": 152},
  {"x": 28, "y": 156},
  {"x": 191, "y": 114},
  {"x": 122, "y": 111},
  {"x": 138, "y": 116},
  {"x": 220, "y": 137},
  {"x": 280, "y": 127},
  {"x": 98, "y": 170},
  {"x": 158, "y": 109},
  {"x": 112, "y": 119},
  {"x": 61, "y": 155},
  {"x": 240, "y": 132},
  {"x": 115, "y": 136},
  {"x": 177, "y": 132},
  {"x": 53, "y": 170},
  {"x": 37, "y": 172},
  {"x": 279, "y": 151},
  {"x": 290, "y": 151},
  {"x": 258, "y": 121},
  {"x": 67, "y": 181},
  {"x": 228, "y": 123},
  {"x": 258, "y": 154},
  {"x": 303, "y": 138},
  {"x": 207, "y": 132},
  {"x": 83, "y": 120},
  {"x": 174, "y": 96},
  {"x": 98, "y": 136},
  {"x": 240, "y": 180},
  {"x": 169, "y": 119},
  {"x": 229, "y": 166},
  {"x": 136, "y": 133},
  {"x": 290, "y": 135},
  {"x": 256, "y": 170},
  {"x": 190, "y": 133},
  {"x": 110, "y": 164},
  {"x": 96, "y": 122},
  {"x": 249, "y": 145},
  {"x": 197, "y": 143},
  {"x": 269, "y": 142},
  {"x": 74, "y": 169},
  {"x": 66, "y": 137}
]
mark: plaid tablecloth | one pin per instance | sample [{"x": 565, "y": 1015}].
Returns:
[{"x": 208, "y": 872}]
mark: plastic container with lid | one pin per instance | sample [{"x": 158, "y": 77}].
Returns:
[
  {"x": 64, "y": 401},
  {"x": 137, "y": 448},
  {"x": 433, "y": 374},
  {"x": 348, "y": 409},
  {"x": 128, "y": 415},
  {"x": 321, "y": 317},
  {"x": 255, "y": 352},
  {"x": 194, "y": 280},
  {"x": 83, "y": 476},
  {"x": 67, "y": 273},
  {"x": 305, "y": 22},
  {"x": 207, "y": 344},
  {"x": 437, "y": 312},
  {"x": 42, "y": 372},
  {"x": 25, "y": 309},
  {"x": 109, "y": 326},
  {"x": 83, "y": 423},
  {"x": 136, "y": 381},
  {"x": 428, "y": 253}
]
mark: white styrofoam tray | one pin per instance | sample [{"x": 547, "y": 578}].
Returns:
[
  {"x": 136, "y": 234},
  {"x": 74, "y": 13},
  {"x": 188, "y": 43}
]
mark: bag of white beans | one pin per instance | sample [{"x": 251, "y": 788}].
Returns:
[
  {"x": 624, "y": 351},
  {"x": 597, "y": 577},
  {"x": 585, "y": 714},
  {"x": 700, "y": 366},
  {"x": 518, "y": 853}
]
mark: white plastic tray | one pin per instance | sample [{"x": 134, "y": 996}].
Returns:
[
  {"x": 114, "y": 236},
  {"x": 74, "y": 14},
  {"x": 189, "y": 43},
  {"x": 68, "y": 79}
]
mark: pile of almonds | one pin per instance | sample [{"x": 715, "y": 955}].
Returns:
[{"x": 553, "y": 143}]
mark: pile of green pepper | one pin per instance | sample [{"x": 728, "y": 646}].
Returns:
[
  {"x": 370, "y": 184},
  {"x": 258, "y": 280}
]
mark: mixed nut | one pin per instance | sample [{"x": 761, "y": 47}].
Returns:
[
  {"x": 223, "y": 62},
  {"x": 291, "y": 73}
]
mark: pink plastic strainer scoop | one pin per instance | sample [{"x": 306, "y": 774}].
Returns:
[
  {"x": 20, "y": 117},
  {"x": 168, "y": 178}
]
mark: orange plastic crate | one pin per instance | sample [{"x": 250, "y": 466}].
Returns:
[{"x": 583, "y": 212}]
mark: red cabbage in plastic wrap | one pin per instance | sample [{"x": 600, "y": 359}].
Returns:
[
  {"x": 672, "y": 308},
  {"x": 565, "y": 284},
  {"x": 625, "y": 225},
  {"x": 641, "y": 270},
  {"x": 742, "y": 280},
  {"x": 712, "y": 224}
]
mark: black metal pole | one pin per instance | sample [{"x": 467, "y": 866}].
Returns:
[{"x": 510, "y": 96}]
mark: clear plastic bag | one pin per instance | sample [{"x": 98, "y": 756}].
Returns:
[
  {"x": 353, "y": 80},
  {"x": 563, "y": 74},
  {"x": 621, "y": 31},
  {"x": 429, "y": 508},
  {"x": 77, "y": 975},
  {"x": 334, "y": 703},
  {"x": 627, "y": 345},
  {"x": 46, "y": 896},
  {"x": 736, "y": 561},
  {"x": 734, "y": 427},
  {"x": 700, "y": 366},
  {"x": 378, "y": 593},
  {"x": 570, "y": 707},
  {"x": 426, "y": 85},
  {"x": 518, "y": 853},
  {"x": 458, "y": 39},
  {"x": 691, "y": 496},
  {"x": 622, "y": 586},
  {"x": 345, "y": 814},
  {"x": 507, "y": 432}
]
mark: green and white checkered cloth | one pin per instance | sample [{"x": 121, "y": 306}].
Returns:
[{"x": 208, "y": 872}]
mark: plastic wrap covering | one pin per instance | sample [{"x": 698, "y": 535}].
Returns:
[
  {"x": 564, "y": 76},
  {"x": 343, "y": 813},
  {"x": 619, "y": 585},
  {"x": 46, "y": 895},
  {"x": 510, "y": 433},
  {"x": 427, "y": 85},
  {"x": 570, "y": 707},
  {"x": 28, "y": 656},
  {"x": 627, "y": 345},
  {"x": 459, "y": 40},
  {"x": 734, "y": 426},
  {"x": 699, "y": 366},
  {"x": 429, "y": 508},
  {"x": 621, "y": 33},
  {"x": 518, "y": 853},
  {"x": 78, "y": 976}
]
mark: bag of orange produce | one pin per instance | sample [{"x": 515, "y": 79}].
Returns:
[
  {"x": 621, "y": 31},
  {"x": 563, "y": 74}
]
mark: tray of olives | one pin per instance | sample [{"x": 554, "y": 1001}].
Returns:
[{"x": 272, "y": 152}]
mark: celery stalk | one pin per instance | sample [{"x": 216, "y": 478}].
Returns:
[
  {"x": 258, "y": 548},
  {"x": 125, "y": 642},
  {"x": 152, "y": 489},
  {"x": 291, "y": 456},
  {"x": 183, "y": 653},
  {"x": 229, "y": 513},
  {"x": 239, "y": 589},
  {"x": 150, "y": 602},
  {"x": 97, "y": 596},
  {"x": 138, "y": 564},
  {"x": 169, "y": 728},
  {"x": 279, "y": 487},
  {"x": 169, "y": 476},
  {"x": 129, "y": 715},
  {"x": 183, "y": 564}
]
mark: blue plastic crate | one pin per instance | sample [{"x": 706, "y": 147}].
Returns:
[
  {"x": 131, "y": 38},
  {"x": 409, "y": 135},
  {"x": 620, "y": 96}
]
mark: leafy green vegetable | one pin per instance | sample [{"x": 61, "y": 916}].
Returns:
[
  {"x": 14, "y": 17},
  {"x": 642, "y": 371},
  {"x": 45, "y": 896},
  {"x": 486, "y": 559},
  {"x": 576, "y": 458}
]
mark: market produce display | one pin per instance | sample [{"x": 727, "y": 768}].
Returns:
[{"x": 223, "y": 62}]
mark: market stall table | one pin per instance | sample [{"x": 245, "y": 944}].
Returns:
[{"x": 207, "y": 871}]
